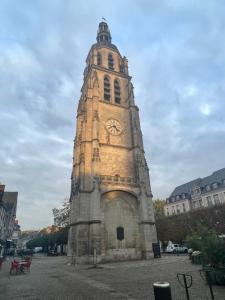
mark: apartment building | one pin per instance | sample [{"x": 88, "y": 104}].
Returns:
[{"x": 200, "y": 192}]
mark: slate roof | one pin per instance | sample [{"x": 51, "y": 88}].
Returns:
[
  {"x": 185, "y": 188},
  {"x": 217, "y": 176}
]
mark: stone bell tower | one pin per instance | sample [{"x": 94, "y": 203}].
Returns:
[{"x": 111, "y": 199}]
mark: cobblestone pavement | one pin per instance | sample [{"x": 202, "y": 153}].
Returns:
[{"x": 51, "y": 278}]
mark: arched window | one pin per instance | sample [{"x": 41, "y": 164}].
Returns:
[
  {"x": 117, "y": 91},
  {"x": 106, "y": 88},
  {"x": 99, "y": 59},
  {"x": 110, "y": 61}
]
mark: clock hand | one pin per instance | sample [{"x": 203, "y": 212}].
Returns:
[{"x": 114, "y": 127}]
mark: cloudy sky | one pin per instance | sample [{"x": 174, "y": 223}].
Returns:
[{"x": 176, "y": 53}]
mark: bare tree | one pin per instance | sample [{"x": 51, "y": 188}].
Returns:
[{"x": 61, "y": 215}]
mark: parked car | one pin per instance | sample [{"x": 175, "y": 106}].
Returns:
[
  {"x": 52, "y": 253},
  {"x": 176, "y": 248},
  {"x": 38, "y": 249}
]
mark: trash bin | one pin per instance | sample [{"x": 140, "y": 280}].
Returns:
[
  {"x": 162, "y": 291},
  {"x": 156, "y": 250}
]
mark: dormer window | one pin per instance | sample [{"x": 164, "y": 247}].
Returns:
[
  {"x": 99, "y": 59},
  {"x": 106, "y": 88},
  {"x": 224, "y": 182},
  {"x": 110, "y": 62},
  {"x": 215, "y": 185},
  {"x": 177, "y": 197},
  {"x": 117, "y": 91},
  {"x": 208, "y": 188}
]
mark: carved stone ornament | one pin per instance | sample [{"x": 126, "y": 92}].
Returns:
[
  {"x": 96, "y": 156},
  {"x": 95, "y": 83},
  {"x": 75, "y": 187},
  {"x": 96, "y": 117},
  {"x": 82, "y": 157}
]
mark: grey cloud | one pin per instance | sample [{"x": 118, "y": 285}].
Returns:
[{"x": 176, "y": 58}]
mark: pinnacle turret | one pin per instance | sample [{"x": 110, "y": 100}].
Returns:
[{"x": 103, "y": 35}]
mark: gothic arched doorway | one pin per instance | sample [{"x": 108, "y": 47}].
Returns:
[{"x": 120, "y": 226}]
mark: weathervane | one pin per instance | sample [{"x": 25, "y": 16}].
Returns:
[{"x": 103, "y": 19}]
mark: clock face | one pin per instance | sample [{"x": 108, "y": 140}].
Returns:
[{"x": 113, "y": 127}]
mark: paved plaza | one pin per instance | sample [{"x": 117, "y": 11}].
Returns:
[{"x": 52, "y": 278}]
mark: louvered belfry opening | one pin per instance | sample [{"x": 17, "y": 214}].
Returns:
[
  {"x": 117, "y": 91},
  {"x": 110, "y": 62},
  {"x": 106, "y": 89},
  {"x": 99, "y": 59}
]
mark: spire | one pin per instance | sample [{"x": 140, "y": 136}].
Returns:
[{"x": 103, "y": 35}]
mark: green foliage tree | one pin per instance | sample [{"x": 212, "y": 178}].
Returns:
[
  {"x": 158, "y": 205},
  {"x": 194, "y": 241},
  {"x": 212, "y": 247},
  {"x": 176, "y": 228},
  {"x": 49, "y": 240}
]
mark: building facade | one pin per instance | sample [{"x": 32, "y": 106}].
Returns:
[
  {"x": 16, "y": 235},
  {"x": 8, "y": 206},
  {"x": 2, "y": 220},
  {"x": 201, "y": 192},
  {"x": 111, "y": 200}
]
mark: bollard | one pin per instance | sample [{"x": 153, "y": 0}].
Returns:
[{"x": 162, "y": 291}]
